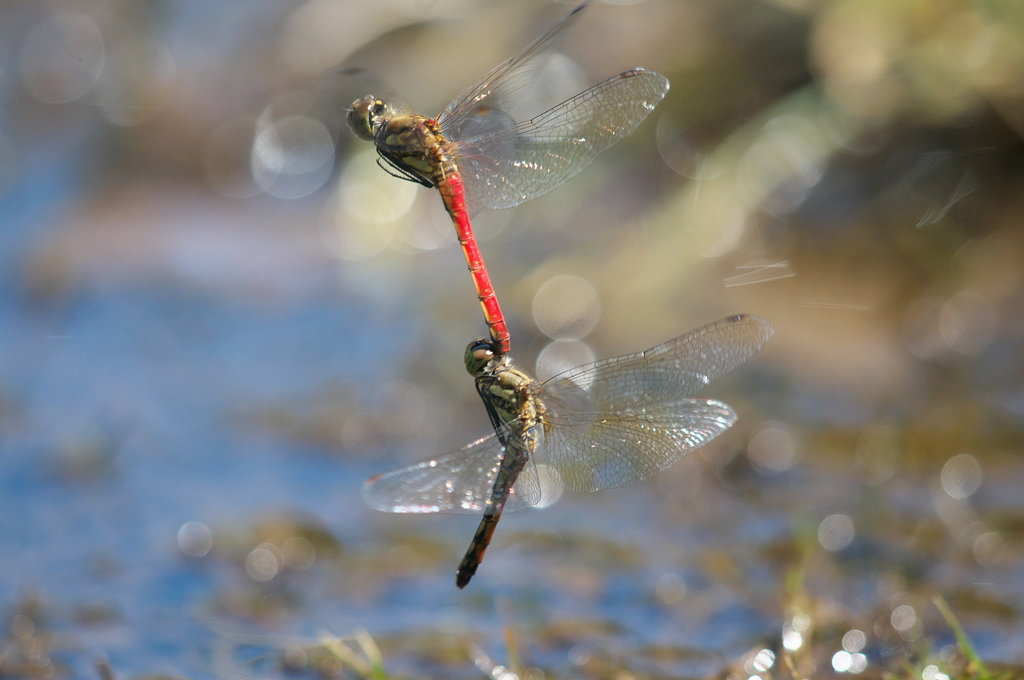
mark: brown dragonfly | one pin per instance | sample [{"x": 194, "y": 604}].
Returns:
[
  {"x": 602, "y": 425},
  {"x": 477, "y": 154}
]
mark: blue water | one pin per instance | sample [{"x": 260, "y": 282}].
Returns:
[{"x": 119, "y": 431}]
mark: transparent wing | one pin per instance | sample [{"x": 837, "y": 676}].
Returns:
[
  {"x": 504, "y": 164},
  {"x": 665, "y": 374},
  {"x": 498, "y": 89},
  {"x": 459, "y": 482},
  {"x": 619, "y": 421},
  {"x": 606, "y": 450}
]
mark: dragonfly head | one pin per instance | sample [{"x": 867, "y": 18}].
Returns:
[
  {"x": 479, "y": 356},
  {"x": 365, "y": 116}
]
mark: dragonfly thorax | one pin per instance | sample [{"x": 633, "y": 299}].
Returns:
[
  {"x": 505, "y": 390},
  {"x": 413, "y": 145},
  {"x": 503, "y": 387}
]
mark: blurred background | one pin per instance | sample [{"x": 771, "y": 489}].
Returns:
[{"x": 218, "y": 317}]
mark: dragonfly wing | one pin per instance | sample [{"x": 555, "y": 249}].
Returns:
[
  {"x": 503, "y": 167},
  {"x": 498, "y": 89},
  {"x": 661, "y": 375},
  {"x": 607, "y": 450},
  {"x": 459, "y": 482}
]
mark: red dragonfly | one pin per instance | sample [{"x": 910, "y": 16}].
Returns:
[
  {"x": 477, "y": 154},
  {"x": 599, "y": 426}
]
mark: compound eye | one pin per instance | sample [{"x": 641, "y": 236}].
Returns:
[
  {"x": 478, "y": 355},
  {"x": 362, "y": 115}
]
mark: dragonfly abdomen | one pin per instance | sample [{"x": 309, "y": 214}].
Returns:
[{"x": 512, "y": 463}]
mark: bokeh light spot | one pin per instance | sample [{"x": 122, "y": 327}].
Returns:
[
  {"x": 787, "y": 148},
  {"x": 989, "y": 549},
  {"x": 23, "y": 627},
  {"x": 292, "y": 157},
  {"x": 670, "y": 588},
  {"x": 262, "y": 564},
  {"x": 680, "y": 152},
  {"x": 903, "y": 617},
  {"x": 579, "y": 655},
  {"x": 961, "y": 476},
  {"x": 792, "y": 639},
  {"x": 841, "y": 661},
  {"x": 763, "y": 660},
  {"x": 836, "y": 532},
  {"x": 967, "y": 323},
  {"x": 195, "y": 539},
  {"x": 854, "y": 640},
  {"x": 432, "y": 229},
  {"x": 366, "y": 209},
  {"x": 562, "y": 355},
  {"x": 62, "y": 58},
  {"x": 566, "y": 307},
  {"x": 773, "y": 447}
]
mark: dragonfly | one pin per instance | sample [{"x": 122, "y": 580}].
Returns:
[
  {"x": 477, "y": 154},
  {"x": 598, "y": 426}
]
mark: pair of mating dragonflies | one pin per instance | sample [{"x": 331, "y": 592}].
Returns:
[{"x": 603, "y": 425}]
